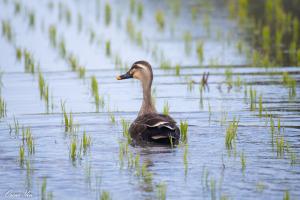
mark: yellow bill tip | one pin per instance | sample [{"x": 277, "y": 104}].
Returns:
[{"x": 118, "y": 78}]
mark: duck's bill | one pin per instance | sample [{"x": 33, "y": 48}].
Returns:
[{"x": 124, "y": 76}]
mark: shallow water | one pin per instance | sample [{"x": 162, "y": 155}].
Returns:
[{"x": 208, "y": 161}]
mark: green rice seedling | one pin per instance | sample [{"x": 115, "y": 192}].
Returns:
[
  {"x": 298, "y": 57},
  {"x": 68, "y": 16},
  {"x": 238, "y": 83},
  {"x": 42, "y": 84},
  {"x": 223, "y": 117},
  {"x": 17, "y": 7},
  {"x": 92, "y": 36},
  {"x": 256, "y": 58},
  {"x": 228, "y": 75},
  {"x": 175, "y": 6},
  {"x": 112, "y": 118},
  {"x": 293, "y": 158},
  {"x": 286, "y": 195},
  {"x": 209, "y": 111},
  {"x": 260, "y": 186},
  {"x": 2, "y": 108},
  {"x": 68, "y": 121},
  {"x": 252, "y": 93},
  {"x": 107, "y": 14},
  {"x": 194, "y": 11},
  {"x": 161, "y": 191},
  {"x": 73, "y": 150},
  {"x": 243, "y": 161},
  {"x": 62, "y": 48},
  {"x": 231, "y": 133},
  {"x": 147, "y": 176},
  {"x": 242, "y": 10},
  {"x": 185, "y": 159},
  {"x": 28, "y": 62},
  {"x": 45, "y": 195},
  {"x": 160, "y": 19},
  {"x": 94, "y": 86},
  {"x": 81, "y": 71},
  {"x": 187, "y": 37},
  {"x": 280, "y": 146},
  {"x": 260, "y": 106},
  {"x": 278, "y": 41},
  {"x": 18, "y": 54},
  {"x": 130, "y": 29},
  {"x": 199, "y": 50},
  {"x": 105, "y": 195},
  {"x": 73, "y": 62},
  {"x": 266, "y": 39},
  {"x": 213, "y": 188},
  {"x": 165, "y": 64},
  {"x": 52, "y": 35},
  {"x": 86, "y": 142},
  {"x": 272, "y": 127},
  {"x": 7, "y": 30},
  {"x": 140, "y": 10},
  {"x": 239, "y": 46},
  {"x": 21, "y": 155},
  {"x": 137, "y": 164},
  {"x": 132, "y": 6},
  {"x": 293, "y": 51},
  {"x": 29, "y": 141},
  {"x": 31, "y": 19},
  {"x": 278, "y": 125},
  {"x": 232, "y": 8},
  {"x": 166, "y": 108},
  {"x": 16, "y": 126},
  {"x": 79, "y": 22},
  {"x": 184, "y": 131},
  {"x": 190, "y": 85},
  {"x": 139, "y": 38},
  {"x": 289, "y": 82},
  {"x": 295, "y": 29},
  {"x": 177, "y": 70},
  {"x": 107, "y": 48},
  {"x": 206, "y": 23},
  {"x": 125, "y": 126}
]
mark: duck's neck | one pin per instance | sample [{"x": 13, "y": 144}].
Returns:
[{"x": 147, "y": 105}]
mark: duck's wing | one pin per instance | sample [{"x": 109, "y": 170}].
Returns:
[
  {"x": 155, "y": 120},
  {"x": 154, "y": 125}
]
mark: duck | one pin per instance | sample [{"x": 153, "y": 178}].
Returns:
[{"x": 150, "y": 126}]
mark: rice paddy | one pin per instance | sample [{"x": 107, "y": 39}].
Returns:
[{"x": 227, "y": 72}]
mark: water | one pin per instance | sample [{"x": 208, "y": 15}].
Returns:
[{"x": 189, "y": 172}]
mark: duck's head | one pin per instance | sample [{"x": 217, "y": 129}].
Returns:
[{"x": 139, "y": 70}]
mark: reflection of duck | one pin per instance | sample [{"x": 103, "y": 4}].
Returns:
[{"x": 150, "y": 126}]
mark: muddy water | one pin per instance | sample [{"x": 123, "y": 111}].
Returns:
[{"x": 203, "y": 169}]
